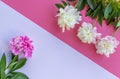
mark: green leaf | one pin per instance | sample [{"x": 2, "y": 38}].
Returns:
[
  {"x": 118, "y": 13},
  {"x": 13, "y": 62},
  {"x": 2, "y": 74},
  {"x": 15, "y": 58},
  {"x": 19, "y": 75},
  {"x": 108, "y": 10},
  {"x": 3, "y": 67},
  {"x": 89, "y": 12},
  {"x": 3, "y": 62},
  {"x": 19, "y": 64},
  {"x": 8, "y": 77},
  {"x": 80, "y": 4},
  {"x": 114, "y": 5},
  {"x": 100, "y": 18},
  {"x": 10, "y": 67},
  {"x": 115, "y": 23},
  {"x": 97, "y": 11},
  {"x": 111, "y": 17},
  {"x": 59, "y": 6},
  {"x": 92, "y": 4},
  {"x": 118, "y": 24},
  {"x": 65, "y": 4}
]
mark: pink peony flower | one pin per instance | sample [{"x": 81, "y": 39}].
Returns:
[
  {"x": 106, "y": 46},
  {"x": 21, "y": 45}
]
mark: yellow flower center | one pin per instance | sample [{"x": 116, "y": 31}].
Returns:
[
  {"x": 107, "y": 46},
  {"x": 68, "y": 18},
  {"x": 89, "y": 35}
]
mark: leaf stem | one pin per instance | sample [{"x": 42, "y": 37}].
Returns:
[
  {"x": 115, "y": 32},
  {"x": 76, "y": 5},
  {"x": 94, "y": 23},
  {"x": 12, "y": 60}
]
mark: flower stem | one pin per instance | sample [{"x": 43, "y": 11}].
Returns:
[
  {"x": 11, "y": 63},
  {"x": 76, "y": 4},
  {"x": 115, "y": 32},
  {"x": 94, "y": 23}
]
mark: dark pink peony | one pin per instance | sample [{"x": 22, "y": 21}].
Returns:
[{"x": 21, "y": 45}]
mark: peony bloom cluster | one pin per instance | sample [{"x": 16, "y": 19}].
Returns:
[
  {"x": 68, "y": 17},
  {"x": 87, "y": 33},
  {"x": 106, "y": 46},
  {"x": 21, "y": 45}
]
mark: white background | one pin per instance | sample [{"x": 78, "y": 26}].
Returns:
[{"x": 52, "y": 59}]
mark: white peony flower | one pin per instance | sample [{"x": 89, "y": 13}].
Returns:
[
  {"x": 68, "y": 17},
  {"x": 87, "y": 33},
  {"x": 106, "y": 46}
]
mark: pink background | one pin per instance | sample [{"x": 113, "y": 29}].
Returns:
[{"x": 43, "y": 13}]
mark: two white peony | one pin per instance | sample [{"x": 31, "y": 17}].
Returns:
[{"x": 105, "y": 46}]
